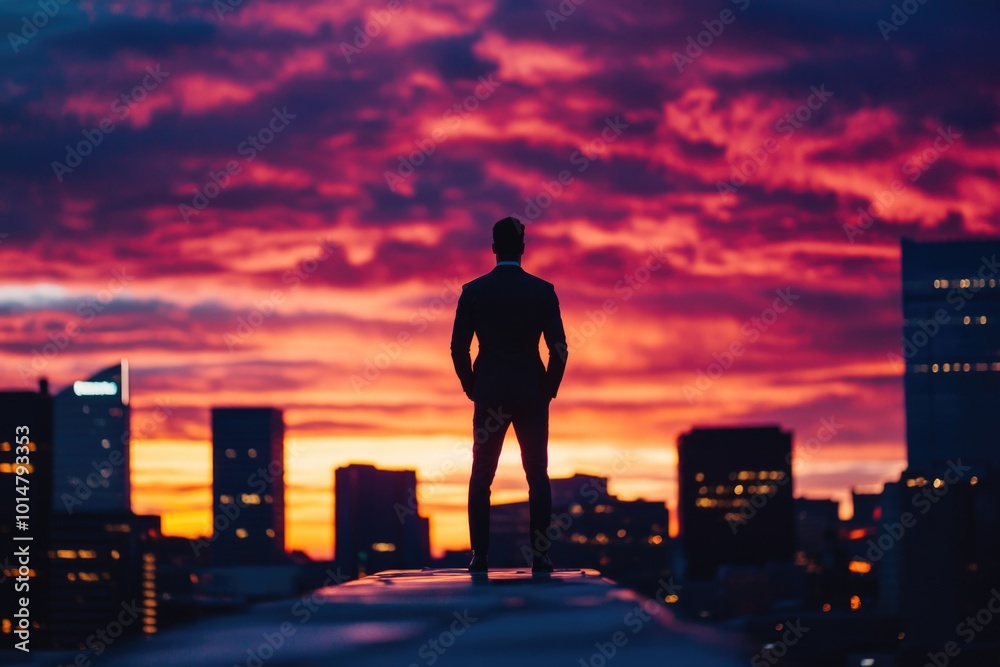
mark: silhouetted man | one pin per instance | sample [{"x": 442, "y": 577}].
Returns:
[{"x": 509, "y": 310}]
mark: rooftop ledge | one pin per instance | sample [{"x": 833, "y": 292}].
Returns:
[{"x": 445, "y": 617}]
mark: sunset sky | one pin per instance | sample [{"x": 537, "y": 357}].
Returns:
[{"x": 254, "y": 200}]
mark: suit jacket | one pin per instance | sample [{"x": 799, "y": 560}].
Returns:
[{"x": 508, "y": 310}]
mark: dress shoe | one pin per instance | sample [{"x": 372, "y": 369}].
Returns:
[
  {"x": 542, "y": 564},
  {"x": 478, "y": 563}
]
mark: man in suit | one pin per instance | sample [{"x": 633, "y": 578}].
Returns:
[{"x": 508, "y": 310}]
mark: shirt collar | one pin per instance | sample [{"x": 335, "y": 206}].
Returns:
[{"x": 509, "y": 263}]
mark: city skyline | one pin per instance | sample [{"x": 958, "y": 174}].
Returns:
[{"x": 270, "y": 206}]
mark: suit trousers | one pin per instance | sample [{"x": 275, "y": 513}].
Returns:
[{"x": 489, "y": 426}]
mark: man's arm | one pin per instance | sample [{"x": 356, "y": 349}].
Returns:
[
  {"x": 461, "y": 342},
  {"x": 555, "y": 340}
]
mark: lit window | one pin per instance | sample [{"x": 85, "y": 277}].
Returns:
[
  {"x": 622, "y": 533},
  {"x": 738, "y": 489},
  {"x": 576, "y": 509},
  {"x": 105, "y": 443},
  {"x": 946, "y": 368},
  {"x": 671, "y": 599},
  {"x": 982, "y": 319},
  {"x": 250, "y": 499},
  {"x": 655, "y": 539},
  {"x": 700, "y": 477},
  {"x": 855, "y": 603},
  {"x": 241, "y": 533},
  {"x": 966, "y": 319},
  {"x": 230, "y": 453},
  {"x": 225, "y": 499},
  {"x": 384, "y": 547},
  {"x": 934, "y": 368},
  {"x": 270, "y": 532},
  {"x": 252, "y": 453},
  {"x": 966, "y": 367}
]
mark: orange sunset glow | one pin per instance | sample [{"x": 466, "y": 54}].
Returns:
[{"x": 286, "y": 208}]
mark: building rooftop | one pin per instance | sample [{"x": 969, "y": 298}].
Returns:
[{"x": 445, "y": 617}]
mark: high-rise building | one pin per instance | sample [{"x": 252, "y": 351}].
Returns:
[
  {"x": 951, "y": 349},
  {"x": 91, "y": 444},
  {"x": 735, "y": 498},
  {"x": 248, "y": 485},
  {"x": 104, "y": 571},
  {"x": 378, "y": 525},
  {"x": 26, "y": 476}
]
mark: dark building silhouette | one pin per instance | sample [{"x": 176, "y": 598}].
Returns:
[
  {"x": 625, "y": 540},
  {"x": 735, "y": 498},
  {"x": 248, "y": 485},
  {"x": 103, "y": 570},
  {"x": 91, "y": 442},
  {"x": 377, "y": 523},
  {"x": 816, "y": 526},
  {"x": 951, "y": 350},
  {"x": 936, "y": 530},
  {"x": 19, "y": 409}
]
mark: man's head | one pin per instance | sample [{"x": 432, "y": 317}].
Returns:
[{"x": 508, "y": 239}]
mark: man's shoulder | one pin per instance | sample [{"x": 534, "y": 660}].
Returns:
[{"x": 491, "y": 279}]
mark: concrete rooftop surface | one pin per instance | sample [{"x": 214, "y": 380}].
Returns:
[{"x": 445, "y": 617}]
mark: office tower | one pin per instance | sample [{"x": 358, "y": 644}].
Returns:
[
  {"x": 248, "y": 486},
  {"x": 951, "y": 349},
  {"x": 91, "y": 444},
  {"x": 735, "y": 498},
  {"x": 103, "y": 569},
  {"x": 378, "y": 525},
  {"x": 25, "y": 423}
]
